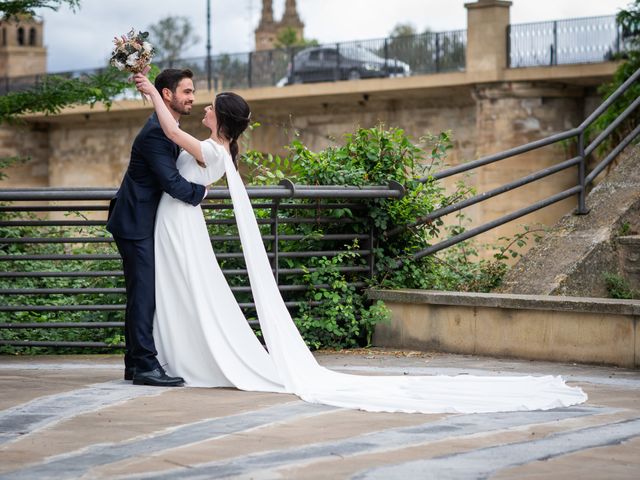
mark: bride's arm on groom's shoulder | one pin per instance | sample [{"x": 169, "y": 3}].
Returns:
[{"x": 167, "y": 122}]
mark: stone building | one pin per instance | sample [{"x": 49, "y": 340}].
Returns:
[
  {"x": 21, "y": 48},
  {"x": 268, "y": 29}
]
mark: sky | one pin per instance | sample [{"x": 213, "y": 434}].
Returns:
[{"x": 82, "y": 40}]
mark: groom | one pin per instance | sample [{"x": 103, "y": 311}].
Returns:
[{"x": 151, "y": 171}]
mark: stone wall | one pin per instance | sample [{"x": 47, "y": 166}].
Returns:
[
  {"x": 91, "y": 149},
  {"x": 30, "y": 142},
  {"x": 537, "y": 327},
  {"x": 91, "y": 153}
]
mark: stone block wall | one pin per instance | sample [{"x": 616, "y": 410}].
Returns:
[
  {"x": 92, "y": 149},
  {"x": 28, "y": 141},
  {"x": 93, "y": 152}
]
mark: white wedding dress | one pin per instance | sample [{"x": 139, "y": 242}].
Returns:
[{"x": 202, "y": 335}]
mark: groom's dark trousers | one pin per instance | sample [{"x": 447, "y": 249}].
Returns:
[{"x": 151, "y": 171}]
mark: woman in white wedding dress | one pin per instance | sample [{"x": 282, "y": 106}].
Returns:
[{"x": 202, "y": 334}]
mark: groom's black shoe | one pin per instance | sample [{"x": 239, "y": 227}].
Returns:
[
  {"x": 129, "y": 372},
  {"x": 157, "y": 378}
]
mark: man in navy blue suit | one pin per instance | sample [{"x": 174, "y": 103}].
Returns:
[{"x": 151, "y": 171}]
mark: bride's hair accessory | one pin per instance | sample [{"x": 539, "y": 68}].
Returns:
[{"x": 132, "y": 52}]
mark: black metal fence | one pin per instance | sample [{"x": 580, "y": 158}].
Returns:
[
  {"x": 386, "y": 57},
  {"x": 18, "y": 84},
  {"x": 59, "y": 268},
  {"x": 425, "y": 53},
  {"x": 560, "y": 42}
]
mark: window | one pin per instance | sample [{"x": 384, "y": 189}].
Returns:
[
  {"x": 330, "y": 55},
  {"x": 4, "y": 37},
  {"x": 32, "y": 36},
  {"x": 20, "y": 36},
  {"x": 314, "y": 56}
]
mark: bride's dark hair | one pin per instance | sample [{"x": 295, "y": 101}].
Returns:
[{"x": 233, "y": 116}]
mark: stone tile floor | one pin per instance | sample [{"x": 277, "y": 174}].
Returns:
[{"x": 74, "y": 417}]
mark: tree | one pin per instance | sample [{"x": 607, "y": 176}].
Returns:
[
  {"x": 54, "y": 93},
  {"x": 403, "y": 30},
  {"x": 629, "y": 22},
  {"x": 17, "y": 8},
  {"x": 288, "y": 38},
  {"x": 170, "y": 37},
  {"x": 426, "y": 52}
]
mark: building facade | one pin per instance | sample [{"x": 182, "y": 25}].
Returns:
[
  {"x": 22, "y": 51},
  {"x": 268, "y": 29}
]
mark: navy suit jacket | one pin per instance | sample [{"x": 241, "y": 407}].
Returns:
[{"x": 152, "y": 170}]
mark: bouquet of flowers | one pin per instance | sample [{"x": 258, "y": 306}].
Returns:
[{"x": 132, "y": 52}]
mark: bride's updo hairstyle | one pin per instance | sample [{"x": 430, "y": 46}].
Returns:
[{"x": 233, "y": 116}]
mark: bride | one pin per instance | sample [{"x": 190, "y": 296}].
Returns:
[{"x": 200, "y": 331}]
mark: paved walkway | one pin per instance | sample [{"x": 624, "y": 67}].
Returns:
[{"x": 73, "y": 417}]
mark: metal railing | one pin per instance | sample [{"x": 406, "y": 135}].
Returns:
[
  {"x": 69, "y": 273},
  {"x": 558, "y": 42},
  {"x": 424, "y": 53},
  {"x": 561, "y": 42},
  {"x": 584, "y": 179}
]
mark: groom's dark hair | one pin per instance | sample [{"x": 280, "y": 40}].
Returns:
[{"x": 170, "y": 78}]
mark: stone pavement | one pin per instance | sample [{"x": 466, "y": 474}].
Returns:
[{"x": 74, "y": 417}]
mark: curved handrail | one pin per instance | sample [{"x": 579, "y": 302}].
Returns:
[{"x": 580, "y": 189}]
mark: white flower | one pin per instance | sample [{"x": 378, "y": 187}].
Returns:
[
  {"x": 118, "y": 64},
  {"x": 132, "y": 52},
  {"x": 132, "y": 59}
]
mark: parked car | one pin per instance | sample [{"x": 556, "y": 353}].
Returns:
[{"x": 342, "y": 62}]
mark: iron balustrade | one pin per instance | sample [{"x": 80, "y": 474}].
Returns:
[
  {"x": 53, "y": 256},
  {"x": 561, "y": 42},
  {"x": 425, "y": 53},
  {"x": 558, "y": 42},
  {"x": 580, "y": 161}
]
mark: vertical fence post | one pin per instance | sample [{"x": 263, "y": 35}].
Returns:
[
  {"x": 275, "y": 242},
  {"x": 372, "y": 258},
  {"x": 509, "y": 40},
  {"x": 554, "y": 48},
  {"x": 249, "y": 70},
  {"x": 209, "y": 45},
  {"x": 582, "y": 167},
  {"x": 386, "y": 55},
  {"x": 338, "y": 75},
  {"x": 274, "y": 79},
  {"x": 437, "y": 52}
]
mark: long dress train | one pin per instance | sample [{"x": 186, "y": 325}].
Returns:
[{"x": 202, "y": 334}]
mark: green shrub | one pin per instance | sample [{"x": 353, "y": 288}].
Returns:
[
  {"x": 618, "y": 287},
  {"x": 334, "y": 313}
]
